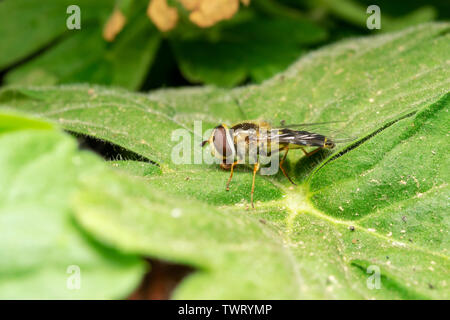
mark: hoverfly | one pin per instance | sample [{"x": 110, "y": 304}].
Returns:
[{"x": 231, "y": 145}]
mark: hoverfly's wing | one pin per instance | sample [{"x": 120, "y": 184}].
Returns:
[
  {"x": 312, "y": 134},
  {"x": 301, "y": 138},
  {"x": 325, "y": 128}
]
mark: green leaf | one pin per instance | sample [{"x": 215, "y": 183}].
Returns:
[
  {"x": 220, "y": 244},
  {"x": 377, "y": 203},
  {"x": 356, "y": 13},
  {"x": 258, "y": 48},
  {"x": 165, "y": 113},
  {"x": 43, "y": 248},
  {"x": 300, "y": 246},
  {"x": 12, "y": 121},
  {"x": 84, "y": 56},
  {"x": 28, "y": 26}
]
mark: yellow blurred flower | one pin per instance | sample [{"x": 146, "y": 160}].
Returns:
[
  {"x": 208, "y": 12},
  {"x": 163, "y": 16},
  {"x": 204, "y": 13},
  {"x": 114, "y": 25}
]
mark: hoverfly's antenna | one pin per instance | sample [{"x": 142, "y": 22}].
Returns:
[{"x": 204, "y": 143}]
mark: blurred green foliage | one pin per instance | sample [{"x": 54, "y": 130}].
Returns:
[{"x": 258, "y": 42}]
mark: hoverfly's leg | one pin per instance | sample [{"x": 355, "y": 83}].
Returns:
[
  {"x": 308, "y": 154},
  {"x": 282, "y": 169},
  {"x": 255, "y": 169},
  {"x": 231, "y": 175}
]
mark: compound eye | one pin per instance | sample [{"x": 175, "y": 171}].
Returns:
[{"x": 221, "y": 142}]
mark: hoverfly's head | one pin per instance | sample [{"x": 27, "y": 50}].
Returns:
[
  {"x": 222, "y": 142},
  {"x": 329, "y": 144}
]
